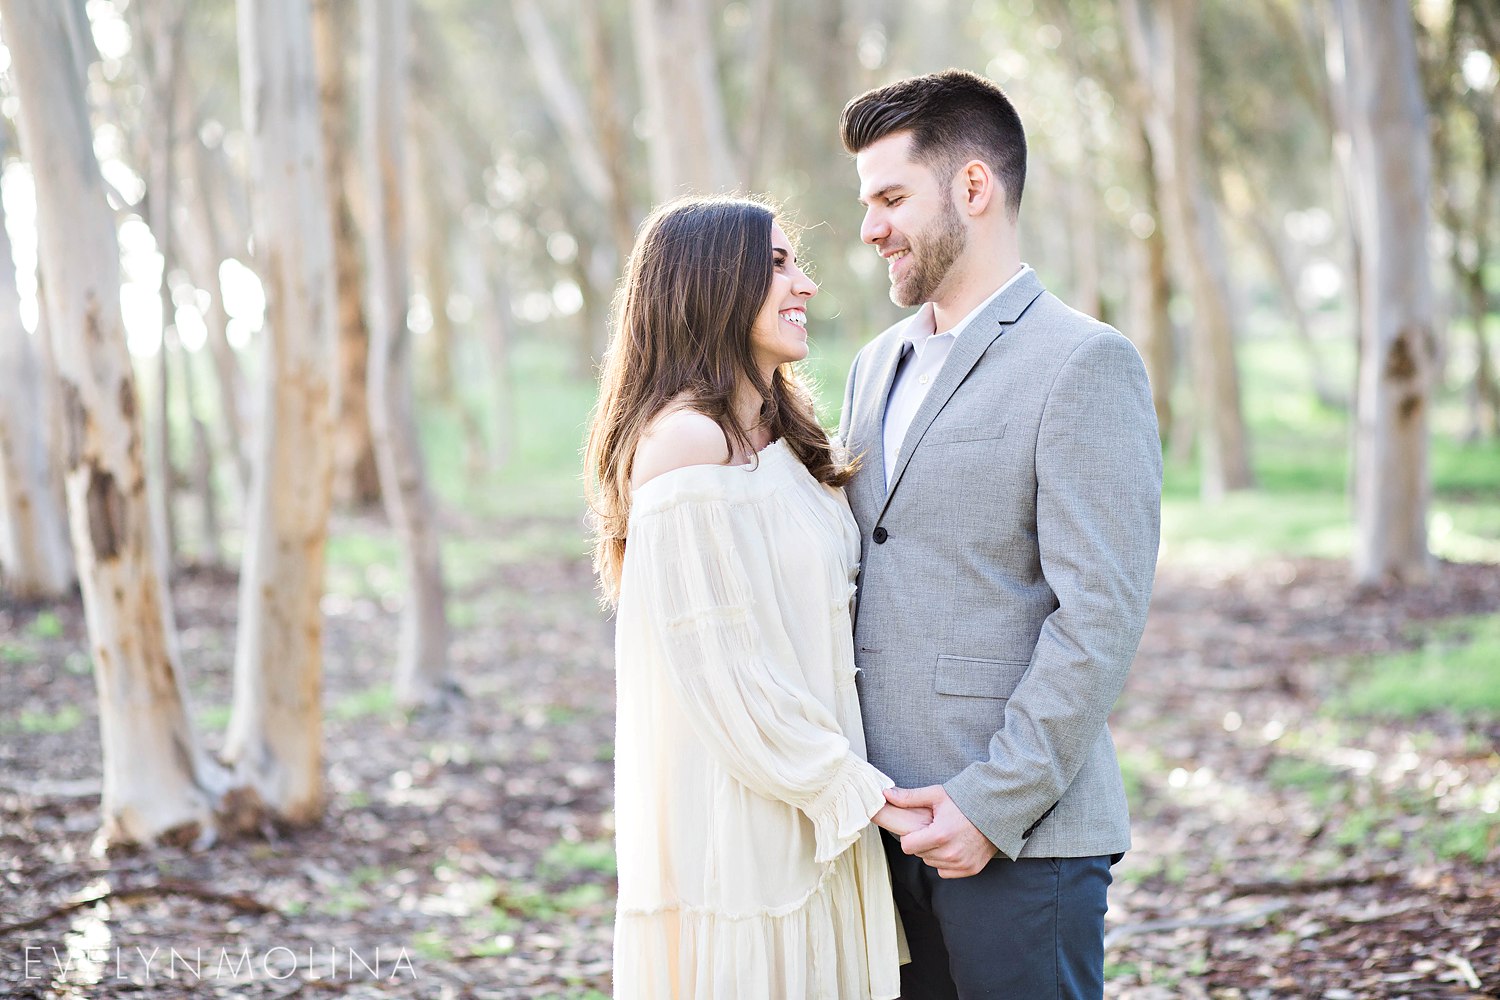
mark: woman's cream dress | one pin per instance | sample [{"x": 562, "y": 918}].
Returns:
[{"x": 748, "y": 865}]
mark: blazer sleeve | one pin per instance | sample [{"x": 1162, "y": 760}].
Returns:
[
  {"x": 1098, "y": 519},
  {"x": 752, "y": 711}
]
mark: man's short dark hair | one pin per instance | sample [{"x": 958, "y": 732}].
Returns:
[{"x": 953, "y": 117}]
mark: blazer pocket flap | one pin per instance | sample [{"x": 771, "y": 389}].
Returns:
[
  {"x": 964, "y": 432},
  {"x": 971, "y": 677}
]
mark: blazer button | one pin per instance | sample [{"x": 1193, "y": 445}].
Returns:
[{"x": 880, "y": 535}]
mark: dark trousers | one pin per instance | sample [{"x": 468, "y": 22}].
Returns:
[{"x": 1018, "y": 930}]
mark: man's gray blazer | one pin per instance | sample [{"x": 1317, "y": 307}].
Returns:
[{"x": 1006, "y": 571}]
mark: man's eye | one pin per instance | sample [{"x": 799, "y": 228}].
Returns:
[{"x": 893, "y": 202}]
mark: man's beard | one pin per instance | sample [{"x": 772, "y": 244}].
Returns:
[{"x": 934, "y": 251}]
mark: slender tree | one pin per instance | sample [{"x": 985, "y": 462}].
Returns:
[
  {"x": 159, "y": 28},
  {"x": 275, "y": 730},
  {"x": 422, "y": 655},
  {"x": 157, "y": 784},
  {"x": 687, "y": 136},
  {"x": 356, "y": 480},
  {"x": 1465, "y": 122},
  {"x": 1392, "y": 162},
  {"x": 205, "y": 247},
  {"x": 1163, "y": 45},
  {"x": 497, "y": 321},
  {"x": 36, "y": 560},
  {"x": 1151, "y": 293}
]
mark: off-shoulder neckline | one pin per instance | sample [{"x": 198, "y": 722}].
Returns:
[{"x": 769, "y": 451}]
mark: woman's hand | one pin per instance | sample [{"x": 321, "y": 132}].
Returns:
[{"x": 901, "y": 821}]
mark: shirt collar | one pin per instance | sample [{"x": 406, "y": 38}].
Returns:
[{"x": 924, "y": 324}]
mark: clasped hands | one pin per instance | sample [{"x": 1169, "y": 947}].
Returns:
[{"x": 932, "y": 827}]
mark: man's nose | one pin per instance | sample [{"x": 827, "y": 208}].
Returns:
[{"x": 874, "y": 226}]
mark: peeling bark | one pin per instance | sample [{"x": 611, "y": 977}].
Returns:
[
  {"x": 356, "y": 480},
  {"x": 157, "y": 784},
  {"x": 275, "y": 730}
]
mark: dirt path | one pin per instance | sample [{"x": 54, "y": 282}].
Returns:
[
  {"x": 1310, "y": 838},
  {"x": 474, "y": 845}
]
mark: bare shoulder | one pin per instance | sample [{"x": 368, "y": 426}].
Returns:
[{"x": 676, "y": 440}]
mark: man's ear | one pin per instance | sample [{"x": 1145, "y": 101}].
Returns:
[{"x": 980, "y": 186}]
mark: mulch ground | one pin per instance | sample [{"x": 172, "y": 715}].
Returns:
[{"x": 465, "y": 852}]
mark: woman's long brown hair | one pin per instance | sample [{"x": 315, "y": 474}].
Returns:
[{"x": 696, "y": 279}]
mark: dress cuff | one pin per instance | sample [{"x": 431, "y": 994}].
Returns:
[{"x": 842, "y": 810}]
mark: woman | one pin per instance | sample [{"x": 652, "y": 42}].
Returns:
[{"x": 748, "y": 865}]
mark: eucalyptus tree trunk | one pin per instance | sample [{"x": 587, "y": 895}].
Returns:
[
  {"x": 687, "y": 137},
  {"x": 597, "y": 156},
  {"x": 437, "y": 273},
  {"x": 157, "y": 784},
  {"x": 275, "y": 731},
  {"x": 760, "y": 67},
  {"x": 36, "y": 560},
  {"x": 210, "y": 551},
  {"x": 1483, "y": 391},
  {"x": 1083, "y": 242},
  {"x": 422, "y": 655},
  {"x": 564, "y": 103},
  {"x": 498, "y": 323},
  {"x": 356, "y": 480},
  {"x": 159, "y": 25},
  {"x": 1465, "y": 190},
  {"x": 1392, "y": 163},
  {"x": 201, "y": 235},
  {"x": 1163, "y": 45},
  {"x": 1259, "y": 221},
  {"x": 1151, "y": 298}
]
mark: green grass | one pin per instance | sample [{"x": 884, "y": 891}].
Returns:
[
  {"x": 567, "y": 857},
  {"x": 1299, "y": 450},
  {"x": 551, "y": 408},
  {"x": 1322, "y": 783},
  {"x": 1135, "y": 768},
  {"x": 64, "y": 720},
  {"x": 46, "y": 625},
  {"x": 432, "y": 945},
  {"x": 379, "y": 700},
  {"x": 536, "y": 903},
  {"x": 1474, "y": 836},
  {"x": 213, "y": 717},
  {"x": 355, "y": 894},
  {"x": 1457, "y": 669},
  {"x": 11, "y": 652}
]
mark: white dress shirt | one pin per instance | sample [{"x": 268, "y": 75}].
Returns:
[{"x": 916, "y": 373}]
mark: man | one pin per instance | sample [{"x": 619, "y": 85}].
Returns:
[{"x": 1009, "y": 501}]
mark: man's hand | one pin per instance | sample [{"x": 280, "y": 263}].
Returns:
[
  {"x": 901, "y": 821},
  {"x": 951, "y": 844}
]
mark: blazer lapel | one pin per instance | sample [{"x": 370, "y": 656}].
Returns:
[
  {"x": 870, "y": 427},
  {"x": 970, "y": 347}
]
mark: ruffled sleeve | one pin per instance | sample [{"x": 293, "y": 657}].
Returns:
[{"x": 748, "y": 705}]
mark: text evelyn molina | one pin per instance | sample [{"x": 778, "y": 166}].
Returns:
[{"x": 139, "y": 965}]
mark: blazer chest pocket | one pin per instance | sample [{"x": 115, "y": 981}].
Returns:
[
  {"x": 972, "y": 677},
  {"x": 962, "y": 433}
]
